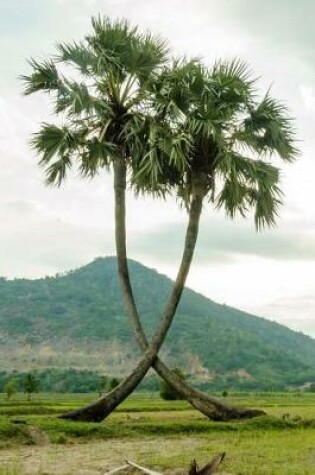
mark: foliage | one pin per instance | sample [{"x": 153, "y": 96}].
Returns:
[
  {"x": 30, "y": 384},
  {"x": 113, "y": 383},
  {"x": 232, "y": 134},
  {"x": 102, "y": 108},
  {"x": 167, "y": 392},
  {"x": 58, "y": 380},
  {"x": 311, "y": 388},
  {"x": 178, "y": 126},
  {"x": 10, "y": 388}
]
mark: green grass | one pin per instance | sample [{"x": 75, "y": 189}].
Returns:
[
  {"x": 281, "y": 443},
  {"x": 248, "y": 453}
]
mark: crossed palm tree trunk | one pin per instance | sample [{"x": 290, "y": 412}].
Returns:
[
  {"x": 201, "y": 401},
  {"x": 208, "y": 405}
]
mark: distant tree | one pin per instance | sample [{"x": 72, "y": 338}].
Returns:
[
  {"x": 107, "y": 384},
  {"x": 10, "y": 388},
  {"x": 30, "y": 385},
  {"x": 167, "y": 392},
  {"x": 311, "y": 388}
]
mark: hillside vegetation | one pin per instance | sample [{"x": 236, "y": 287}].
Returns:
[{"x": 77, "y": 320}]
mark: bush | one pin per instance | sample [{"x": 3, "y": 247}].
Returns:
[
  {"x": 113, "y": 383},
  {"x": 167, "y": 392},
  {"x": 10, "y": 388}
]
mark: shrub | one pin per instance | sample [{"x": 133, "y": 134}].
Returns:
[
  {"x": 167, "y": 392},
  {"x": 10, "y": 388}
]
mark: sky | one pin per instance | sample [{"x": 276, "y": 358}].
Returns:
[{"x": 47, "y": 230}]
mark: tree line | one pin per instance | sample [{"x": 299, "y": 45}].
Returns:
[{"x": 58, "y": 381}]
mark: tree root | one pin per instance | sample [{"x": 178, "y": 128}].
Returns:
[{"x": 235, "y": 414}]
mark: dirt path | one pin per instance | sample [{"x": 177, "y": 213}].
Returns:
[{"x": 90, "y": 458}]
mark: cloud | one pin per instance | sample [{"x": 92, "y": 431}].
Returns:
[
  {"x": 35, "y": 242},
  {"x": 308, "y": 98},
  {"x": 286, "y": 24},
  {"x": 296, "y": 312},
  {"x": 225, "y": 241}
]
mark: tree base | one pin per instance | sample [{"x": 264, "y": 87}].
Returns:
[
  {"x": 97, "y": 413},
  {"x": 235, "y": 414}
]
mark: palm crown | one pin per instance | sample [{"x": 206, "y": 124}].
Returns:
[
  {"x": 231, "y": 138},
  {"x": 180, "y": 126},
  {"x": 100, "y": 109}
]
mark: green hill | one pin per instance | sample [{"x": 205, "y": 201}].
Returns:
[{"x": 77, "y": 320}]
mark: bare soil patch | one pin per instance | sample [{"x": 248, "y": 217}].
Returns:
[{"x": 92, "y": 458}]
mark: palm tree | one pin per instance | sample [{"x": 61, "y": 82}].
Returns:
[
  {"x": 110, "y": 120},
  {"x": 217, "y": 108},
  {"x": 101, "y": 113}
]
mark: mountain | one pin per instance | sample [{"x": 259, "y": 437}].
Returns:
[{"x": 77, "y": 320}]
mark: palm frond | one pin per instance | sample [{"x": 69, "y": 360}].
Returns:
[
  {"x": 96, "y": 156},
  {"x": 56, "y": 172},
  {"x": 268, "y": 195},
  {"x": 112, "y": 43},
  {"x": 111, "y": 33},
  {"x": 52, "y": 141},
  {"x": 43, "y": 78},
  {"x": 156, "y": 181},
  {"x": 229, "y": 87},
  {"x": 175, "y": 88},
  {"x": 249, "y": 185},
  {"x": 75, "y": 98},
  {"x": 235, "y": 70},
  {"x": 233, "y": 198},
  {"x": 177, "y": 149},
  {"x": 78, "y": 55},
  {"x": 269, "y": 129},
  {"x": 145, "y": 56}
]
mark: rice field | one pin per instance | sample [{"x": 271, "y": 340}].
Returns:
[{"x": 163, "y": 435}]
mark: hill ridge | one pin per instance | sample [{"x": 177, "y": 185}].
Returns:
[{"x": 81, "y": 311}]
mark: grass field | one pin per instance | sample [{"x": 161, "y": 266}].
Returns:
[{"x": 158, "y": 434}]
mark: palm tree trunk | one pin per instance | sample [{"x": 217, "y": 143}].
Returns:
[
  {"x": 104, "y": 406},
  {"x": 99, "y": 410},
  {"x": 206, "y": 404}
]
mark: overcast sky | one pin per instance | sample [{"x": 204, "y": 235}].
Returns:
[{"x": 47, "y": 230}]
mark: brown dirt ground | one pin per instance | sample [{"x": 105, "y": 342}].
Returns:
[{"x": 92, "y": 458}]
